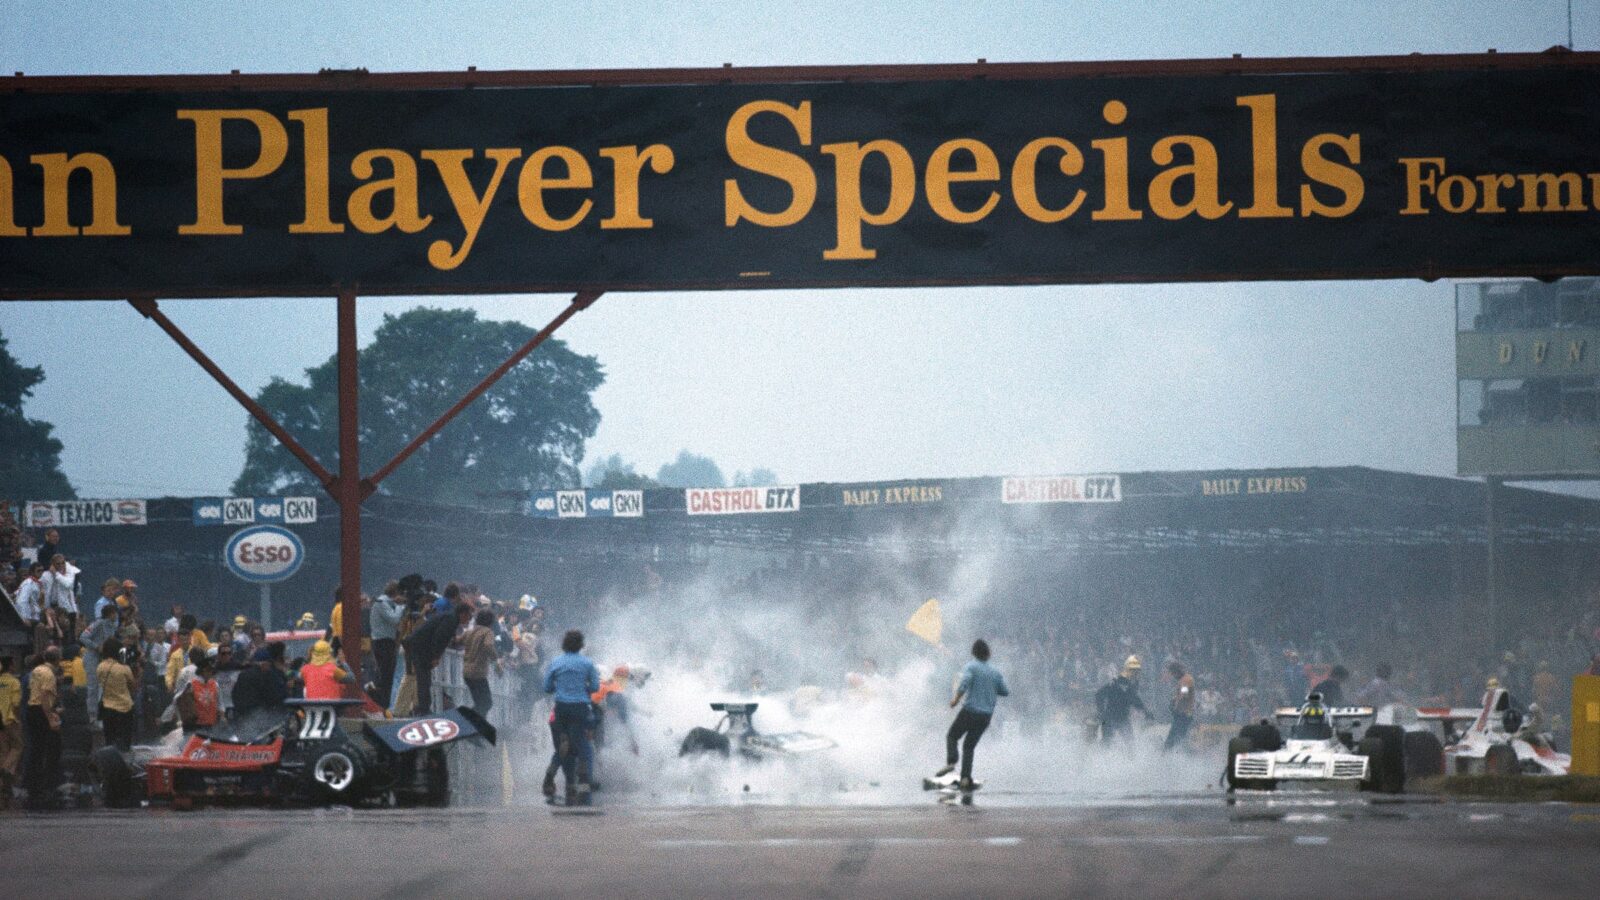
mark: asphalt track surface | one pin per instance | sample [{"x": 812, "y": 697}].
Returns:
[{"x": 1204, "y": 845}]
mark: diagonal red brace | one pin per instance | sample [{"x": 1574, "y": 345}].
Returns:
[
  {"x": 147, "y": 307},
  {"x": 579, "y": 303}
]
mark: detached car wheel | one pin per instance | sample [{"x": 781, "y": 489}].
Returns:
[
  {"x": 1424, "y": 755},
  {"x": 334, "y": 775},
  {"x": 117, "y": 788},
  {"x": 705, "y": 740}
]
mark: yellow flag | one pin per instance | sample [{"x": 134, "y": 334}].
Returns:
[{"x": 927, "y": 622}]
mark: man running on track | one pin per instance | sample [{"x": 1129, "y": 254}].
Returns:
[{"x": 981, "y": 685}]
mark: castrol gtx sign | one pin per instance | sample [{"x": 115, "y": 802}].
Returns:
[
  {"x": 264, "y": 553},
  {"x": 727, "y": 501}
]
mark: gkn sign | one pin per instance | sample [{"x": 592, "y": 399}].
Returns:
[
  {"x": 581, "y": 504},
  {"x": 248, "y": 510}
]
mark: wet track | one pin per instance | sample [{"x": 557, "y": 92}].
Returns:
[{"x": 1199, "y": 845}]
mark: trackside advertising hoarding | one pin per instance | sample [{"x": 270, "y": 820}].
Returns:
[
  {"x": 582, "y": 504},
  {"x": 729, "y": 501},
  {"x": 249, "y": 510},
  {"x": 67, "y": 513},
  {"x": 1002, "y": 174},
  {"x": 1062, "y": 489}
]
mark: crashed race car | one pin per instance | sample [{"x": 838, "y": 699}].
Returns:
[
  {"x": 1496, "y": 739},
  {"x": 305, "y": 756},
  {"x": 1327, "y": 746},
  {"x": 736, "y": 731}
]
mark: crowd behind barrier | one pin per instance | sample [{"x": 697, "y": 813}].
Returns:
[{"x": 113, "y": 668}]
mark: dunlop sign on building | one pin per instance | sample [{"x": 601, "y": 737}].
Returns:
[{"x": 1411, "y": 166}]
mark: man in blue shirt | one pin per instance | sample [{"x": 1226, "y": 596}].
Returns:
[
  {"x": 573, "y": 678},
  {"x": 981, "y": 686}
]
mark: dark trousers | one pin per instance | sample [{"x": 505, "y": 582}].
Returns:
[
  {"x": 385, "y": 651},
  {"x": 968, "y": 727},
  {"x": 424, "y": 673},
  {"x": 44, "y": 757},
  {"x": 1179, "y": 730},
  {"x": 1113, "y": 729},
  {"x": 482, "y": 700},
  {"x": 572, "y": 727},
  {"x": 119, "y": 728}
]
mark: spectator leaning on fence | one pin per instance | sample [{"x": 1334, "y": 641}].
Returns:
[{"x": 479, "y": 655}]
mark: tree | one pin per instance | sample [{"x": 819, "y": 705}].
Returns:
[
  {"x": 30, "y": 464},
  {"x": 612, "y": 473},
  {"x": 526, "y": 432},
  {"x": 689, "y": 470},
  {"x": 757, "y": 477}
]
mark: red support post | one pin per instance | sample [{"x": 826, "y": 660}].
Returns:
[
  {"x": 347, "y": 488},
  {"x": 147, "y": 307}
]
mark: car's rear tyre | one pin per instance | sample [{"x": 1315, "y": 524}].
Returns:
[
  {"x": 1501, "y": 760},
  {"x": 117, "y": 789},
  {"x": 1424, "y": 755},
  {"x": 1388, "y": 768},
  {"x": 334, "y": 776},
  {"x": 704, "y": 740}
]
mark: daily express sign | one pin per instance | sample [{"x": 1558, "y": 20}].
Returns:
[{"x": 1281, "y": 169}]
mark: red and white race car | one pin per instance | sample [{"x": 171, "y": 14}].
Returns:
[
  {"x": 306, "y": 753},
  {"x": 1494, "y": 739}
]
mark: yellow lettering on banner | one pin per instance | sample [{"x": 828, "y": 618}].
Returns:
[
  {"x": 1507, "y": 352},
  {"x": 1202, "y": 175},
  {"x": 626, "y": 165},
  {"x": 8, "y": 219},
  {"x": 319, "y": 219},
  {"x": 1417, "y": 179},
  {"x": 1115, "y": 151},
  {"x": 533, "y": 183},
  {"x": 210, "y": 173},
  {"x": 985, "y": 167},
  {"x": 848, "y": 203},
  {"x": 401, "y": 187},
  {"x": 1343, "y": 178},
  {"x": 1024, "y": 174},
  {"x": 470, "y": 207},
  {"x": 1540, "y": 350},
  {"x": 58, "y": 169},
  {"x": 770, "y": 161},
  {"x": 1490, "y": 185},
  {"x": 1575, "y": 352},
  {"x": 1553, "y": 187},
  {"x": 1263, "y": 157}
]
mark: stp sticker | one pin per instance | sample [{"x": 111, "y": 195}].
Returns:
[{"x": 427, "y": 732}]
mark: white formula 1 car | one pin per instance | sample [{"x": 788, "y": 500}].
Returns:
[
  {"x": 736, "y": 732},
  {"x": 1495, "y": 739},
  {"x": 1327, "y": 746}
]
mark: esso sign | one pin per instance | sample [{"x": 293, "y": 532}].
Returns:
[{"x": 264, "y": 553}]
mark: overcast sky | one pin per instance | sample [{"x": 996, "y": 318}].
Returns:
[{"x": 817, "y": 385}]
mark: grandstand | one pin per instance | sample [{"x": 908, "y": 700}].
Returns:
[{"x": 1312, "y": 541}]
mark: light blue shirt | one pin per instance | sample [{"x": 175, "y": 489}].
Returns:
[
  {"x": 572, "y": 678},
  {"x": 982, "y": 684}
]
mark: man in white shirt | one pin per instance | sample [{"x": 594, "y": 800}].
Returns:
[
  {"x": 30, "y": 600},
  {"x": 59, "y": 585}
]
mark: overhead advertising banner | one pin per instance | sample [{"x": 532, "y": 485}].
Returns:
[
  {"x": 68, "y": 513},
  {"x": 250, "y": 510},
  {"x": 581, "y": 504},
  {"x": 1062, "y": 489},
  {"x": 729, "y": 501},
  {"x": 987, "y": 174}
]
